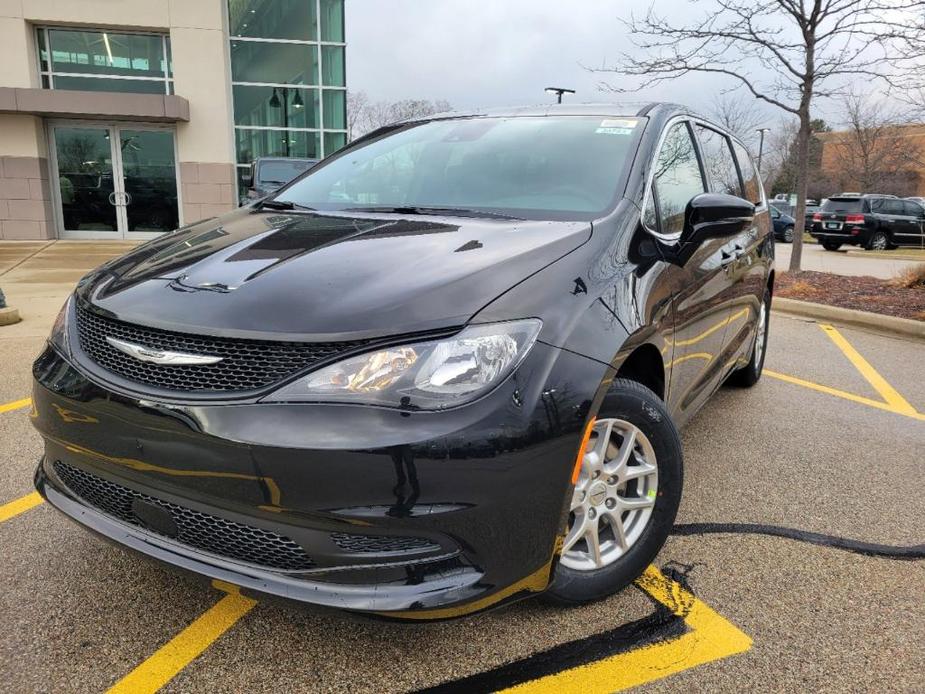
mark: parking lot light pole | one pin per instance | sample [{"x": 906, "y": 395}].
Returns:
[
  {"x": 559, "y": 91},
  {"x": 761, "y": 132}
]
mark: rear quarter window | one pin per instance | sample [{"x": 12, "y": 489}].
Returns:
[{"x": 753, "y": 192}]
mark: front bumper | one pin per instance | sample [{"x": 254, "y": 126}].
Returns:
[{"x": 415, "y": 515}]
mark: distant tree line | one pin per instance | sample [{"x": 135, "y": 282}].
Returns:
[{"x": 365, "y": 115}]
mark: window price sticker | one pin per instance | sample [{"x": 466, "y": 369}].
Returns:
[{"x": 617, "y": 126}]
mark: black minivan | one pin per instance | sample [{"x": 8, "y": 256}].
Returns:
[{"x": 442, "y": 370}]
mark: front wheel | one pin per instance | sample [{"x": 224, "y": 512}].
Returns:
[
  {"x": 626, "y": 498},
  {"x": 788, "y": 235}
]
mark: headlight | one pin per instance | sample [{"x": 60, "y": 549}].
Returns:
[
  {"x": 58, "y": 337},
  {"x": 425, "y": 375}
]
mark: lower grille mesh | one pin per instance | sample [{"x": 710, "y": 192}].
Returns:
[
  {"x": 372, "y": 543},
  {"x": 196, "y": 529}
]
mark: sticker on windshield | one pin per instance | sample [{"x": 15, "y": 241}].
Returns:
[
  {"x": 619, "y": 123},
  {"x": 614, "y": 131}
]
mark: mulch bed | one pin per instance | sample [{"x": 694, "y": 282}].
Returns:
[{"x": 860, "y": 293}]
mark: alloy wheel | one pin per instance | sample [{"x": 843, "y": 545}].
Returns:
[
  {"x": 878, "y": 243},
  {"x": 761, "y": 335},
  {"x": 613, "y": 498}
]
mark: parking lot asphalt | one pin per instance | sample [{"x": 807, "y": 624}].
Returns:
[
  {"x": 831, "y": 441},
  {"x": 840, "y": 262}
]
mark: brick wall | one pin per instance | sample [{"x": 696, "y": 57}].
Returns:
[
  {"x": 25, "y": 199},
  {"x": 207, "y": 189}
]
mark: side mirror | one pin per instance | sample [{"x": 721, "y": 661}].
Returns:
[
  {"x": 247, "y": 180},
  {"x": 715, "y": 216}
]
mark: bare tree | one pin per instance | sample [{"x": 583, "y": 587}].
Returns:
[
  {"x": 784, "y": 52},
  {"x": 364, "y": 116},
  {"x": 740, "y": 116},
  {"x": 872, "y": 155},
  {"x": 357, "y": 106},
  {"x": 778, "y": 145}
]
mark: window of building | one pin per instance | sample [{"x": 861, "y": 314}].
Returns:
[
  {"x": 720, "y": 166},
  {"x": 288, "y": 78},
  {"x": 677, "y": 178},
  {"x": 104, "y": 61}
]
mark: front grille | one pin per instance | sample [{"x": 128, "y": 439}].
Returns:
[
  {"x": 373, "y": 543},
  {"x": 196, "y": 529},
  {"x": 246, "y": 364}
]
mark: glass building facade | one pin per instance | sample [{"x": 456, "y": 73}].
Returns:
[
  {"x": 133, "y": 117},
  {"x": 287, "y": 78}
]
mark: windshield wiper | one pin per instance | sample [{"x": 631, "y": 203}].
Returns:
[
  {"x": 283, "y": 205},
  {"x": 447, "y": 211}
]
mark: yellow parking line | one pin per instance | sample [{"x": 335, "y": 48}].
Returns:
[
  {"x": 20, "y": 505},
  {"x": 183, "y": 648},
  {"x": 887, "y": 392},
  {"x": 15, "y": 405},
  {"x": 843, "y": 394},
  {"x": 712, "y": 637}
]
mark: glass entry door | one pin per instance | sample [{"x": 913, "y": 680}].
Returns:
[{"x": 114, "y": 181}]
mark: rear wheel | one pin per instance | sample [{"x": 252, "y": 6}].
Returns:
[
  {"x": 878, "y": 242},
  {"x": 750, "y": 374},
  {"x": 831, "y": 245},
  {"x": 626, "y": 498},
  {"x": 788, "y": 235}
]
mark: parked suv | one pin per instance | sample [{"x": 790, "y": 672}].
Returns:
[
  {"x": 876, "y": 222},
  {"x": 443, "y": 369},
  {"x": 267, "y": 174}
]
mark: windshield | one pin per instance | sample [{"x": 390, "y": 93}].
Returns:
[
  {"x": 281, "y": 171},
  {"x": 562, "y": 167},
  {"x": 846, "y": 205}
]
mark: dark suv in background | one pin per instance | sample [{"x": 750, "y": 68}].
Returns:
[{"x": 876, "y": 222}]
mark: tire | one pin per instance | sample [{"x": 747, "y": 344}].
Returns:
[
  {"x": 788, "y": 235},
  {"x": 831, "y": 245},
  {"x": 750, "y": 374},
  {"x": 878, "y": 241},
  {"x": 630, "y": 406}
]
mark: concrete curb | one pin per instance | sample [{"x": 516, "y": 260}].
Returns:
[
  {"x": 9, "y": 315},
  {"x": 862, "y": 319}
]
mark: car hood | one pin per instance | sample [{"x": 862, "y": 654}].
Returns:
[{"x": 325, "y": 276}]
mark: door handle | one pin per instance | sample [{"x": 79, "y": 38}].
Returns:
[
  {"x": 112, "y": 198},
  {"x": 127, "y": 200}
]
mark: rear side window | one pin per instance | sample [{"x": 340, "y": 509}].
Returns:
[
  {"x": 913, "y": 209},
  {"x": 749, "y": 174},
  {"x": 720, "y": 166},
  {"x": 677, "y": 178},
  {"x": 845, "y": 205}
]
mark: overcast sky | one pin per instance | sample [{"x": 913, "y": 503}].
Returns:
[{"x": 497, "y": 53}]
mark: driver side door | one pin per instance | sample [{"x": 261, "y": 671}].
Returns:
[{"x": 694, "y": 360}]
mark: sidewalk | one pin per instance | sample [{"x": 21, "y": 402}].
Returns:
[
  {"x": 816, "y": 258},
  {"x": 37, "y": 276}
]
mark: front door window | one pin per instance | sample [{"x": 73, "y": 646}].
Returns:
[{"x": 115, "y": 182}]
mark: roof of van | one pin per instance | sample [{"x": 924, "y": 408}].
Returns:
[{"x": 634, "y": 109}]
